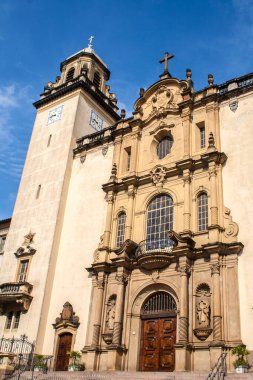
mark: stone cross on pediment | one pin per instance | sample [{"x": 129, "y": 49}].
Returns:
[{"x": 166, "y": 59}]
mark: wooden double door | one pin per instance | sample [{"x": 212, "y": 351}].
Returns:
[
  {"x": 157, "y": 344},
  {"x": 63, "y": 350}
]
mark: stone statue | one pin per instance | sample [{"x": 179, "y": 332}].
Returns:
[
  {"x": 110, "y": 314},
  {"x": 203, "y": 312}
]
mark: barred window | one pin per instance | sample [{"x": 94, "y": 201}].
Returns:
[
  {"x": 164, "y": 147},
  {"x": 22, "y": 271},
  {"x": 160, "y": 220},
  {"x": 121, "y": 229},
  {"x": 8, "y": 321},
  {"x": 202, "y": 132},
  {"x": 202, "y": 212},
  {"x": 16, "y": 319},
  {"x": 158, "y": 303},
  {"x": 70, "y": 74}
]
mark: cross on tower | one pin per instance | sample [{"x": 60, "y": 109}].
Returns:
[{"x": 166, "y": 58}]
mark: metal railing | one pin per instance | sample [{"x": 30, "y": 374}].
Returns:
[
  {"x": 15, "y": 287},
  {"x": 219, "y": 371},
  {"x": 147, "y": 247}
]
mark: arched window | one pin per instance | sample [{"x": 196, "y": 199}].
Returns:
[
  {"x": 164, "y": 146},
  {"x": 202, "y": 211},
  {"x": 96, "y": 79},
  {"x": 121, "y": 229},
  {"x": 70, "y": 74},
  {"x": 159, "y": 221},
  {"x": 160, "y": 302}
]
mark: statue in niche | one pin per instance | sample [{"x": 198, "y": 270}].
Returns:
[
  {"x": 110, "y": 316},
  {"x": 203, "y": 313}
]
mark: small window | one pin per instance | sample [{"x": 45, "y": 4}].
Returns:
[
  {"x": 121, "y": 229},
  {"x": 8, "y": 321},
  {"x": 16, "y": 319},
  {"x": 70, "y": 74},
  {"x": 2, "y": 243},
  {"x": 128, "y": 158},
  {"x": 49, "y": 140},
  {"x": 164, "y": 147},
  {"x": 202, "y": 212},
  {"x": 22, "y": 271},
  {"x": 202, "y": 132},
  {"x": 38, "y": 192},
  {"x": 97, "y": 79}
]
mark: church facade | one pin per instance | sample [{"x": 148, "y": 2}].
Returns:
[{"x": 130, "y": 237}]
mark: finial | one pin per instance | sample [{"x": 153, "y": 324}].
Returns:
[
  {"x": 188, "y": 74},
  {"x": 210, "y": 79},
  {"x": 211, "y": 140},
  {"x": 141, "y": 92},
  {"x": 123, "y": 114},
  {"x": 113, "y": 172},
  {"x": 90, "y": 42}
]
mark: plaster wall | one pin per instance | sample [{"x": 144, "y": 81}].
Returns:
[
  {"x": 45, "y": 165},
  {"x": 237, "y": 142},
  {"x": 83, "y": 225}
]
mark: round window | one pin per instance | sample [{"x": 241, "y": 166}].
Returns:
[{"x": 164, "y": 146}]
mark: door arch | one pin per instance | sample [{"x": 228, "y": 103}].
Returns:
[
  {"x": 63, "y": 348},
  {"x": 158, "y": 333}
]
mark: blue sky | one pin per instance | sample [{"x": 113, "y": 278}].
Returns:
[{"x": 130, "y": 36}]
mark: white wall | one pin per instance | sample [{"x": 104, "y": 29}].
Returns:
[{"x": 237, "y": 143}]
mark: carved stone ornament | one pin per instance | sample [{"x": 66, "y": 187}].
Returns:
[
  {"x": 67, "y": 317},
  {"x": 110, "y": 313},
  {"x": 27, "y": 247},
  {"x": 233, "y": 105},
  {"x": 163, "y": 100},
  {"x": 82, "y": 158},
  {"x": 104, "y": 150},
  {"x": 231, "y": 228},
  {"x": 158, "y": 175}
]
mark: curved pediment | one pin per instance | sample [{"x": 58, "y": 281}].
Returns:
[{"x": 161, "y": 98}]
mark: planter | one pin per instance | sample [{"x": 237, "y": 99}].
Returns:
[
  {"x": 73, "y": 368},
  {"x": 241, "y": 369}
]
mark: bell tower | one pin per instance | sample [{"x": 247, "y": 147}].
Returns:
[{"x": 78, "y": 103}]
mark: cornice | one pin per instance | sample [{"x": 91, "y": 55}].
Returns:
[
  {"x": 85, "y": 84},
  {"x": 176, "y": 170}
]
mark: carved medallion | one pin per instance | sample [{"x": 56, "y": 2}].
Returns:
[{"x": 158, "y": 175}]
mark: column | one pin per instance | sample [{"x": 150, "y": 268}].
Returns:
[
  {"x": 213, "y": 192},
  {"x": 215, "y": 271},
  {"x": 108, "y": 223},
  {"x": 121, "y": 279},
  {"x": 183, "y": 317},
  {"x": 186, "y": 119},
  {"x": 187, "y": 214},
  {"x": 129, "y": 219},
  {"x": 98, "y": 301}
]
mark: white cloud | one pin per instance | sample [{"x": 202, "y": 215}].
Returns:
[{"x": 13, "y": 98}]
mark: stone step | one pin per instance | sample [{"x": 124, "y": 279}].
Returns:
[{"x": 122, "y": 375}]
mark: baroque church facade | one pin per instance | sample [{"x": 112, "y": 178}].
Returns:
[{"x": 130, "y": 237}]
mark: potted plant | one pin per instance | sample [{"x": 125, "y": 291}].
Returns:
[
  {"x": 241, "y": 363},
  {"x": 74, "y": 357},
  {"x": 39, "y": 363}
]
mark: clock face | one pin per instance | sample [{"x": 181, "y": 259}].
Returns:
[
  {"x": 95, "y": 121},
  {"x": 54, "y": 115}
]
